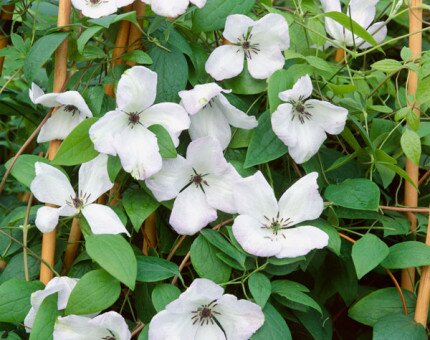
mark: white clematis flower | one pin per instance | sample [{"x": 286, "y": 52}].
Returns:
[
  {"x": 61, "y": 285},
  {"x": 212, "y": 114},
  {"x": 266, "y": 227},
  {"x": 110, "y": 325},
  {"x": 124, "y": 131},
  {"x": 99, "y": 8},
  {"x": 203, "y": 312},
  {"x": 51, "y": 186},
  {"x": 172, "y": 9},
  {"x": 260, "y": 43},
  {"x": 363, "y": 12},
  {"x": 71, "y": 110},
  {"x": 302, "y": 124},
  {"x": 201, "y": 183}
]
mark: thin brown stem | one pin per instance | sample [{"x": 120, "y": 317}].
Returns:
[{"x": 406, "y": 209}]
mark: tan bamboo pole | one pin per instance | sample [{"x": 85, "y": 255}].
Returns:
[
  {"x": 135, "y": 33},
  {"x": 60, "y": 76},
  {"x": 411, "y": 194},
  {"x": 72, "y": 246},
  {"x": 340, "y": 55},
  {"x": 6, "y": 15}
]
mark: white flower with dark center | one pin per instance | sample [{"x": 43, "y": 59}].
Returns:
[
  {"x": 172, "y": 9},
  {"x": 203, "y": 312},
  {"x": 362, "y": 12},
  {"x": 99, "y": 8},
  {"x": 51, "y": 186},
  {"x": 260, "y": 43},
  {"x": 124, "y": 131},
  {"x": 201, "y": 183},
  {"x": 266, "y": 227},
  {"x": 61, "y": 285},
  {"x": 106, "y": 326},
  {"x": 212, "y": 114},
  {"x": 302, "y": 124},
  {"x": 71, "y": 110}
]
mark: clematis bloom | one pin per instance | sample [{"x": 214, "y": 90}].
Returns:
[
  {"x": 212, "y": 114},
  {"x": 124, "y": 131},
  {"x": 71, "y": 110},
  {"x": 259, "y": 42},
  {"x": 266, "y": 227},
  {"x": 362, "y": 12},
  {"x": 172, "y": 9},
  {"x": 204, "y": 312},
  {"x": 99, "y": 8},
  {"x": 302, "y": 124},
  {"x": 53, "y": 187},
  {"x": 201, "y": 184}
]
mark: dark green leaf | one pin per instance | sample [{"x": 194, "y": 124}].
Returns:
[
  {"x": 167, "y": 148},
  {"x": 43, "y": 325},
  {"x": 274, "y": 327},
  {"x": 138, "y": 206},
  {"x": 295, "y": 292},
  {"x": 153, "y": 269},
  {"x": 398, "y": 327},
  {"x": 260, "y": 288},
  {"x": 163, "y": 294},
  {"x": 407, "y": 254}
]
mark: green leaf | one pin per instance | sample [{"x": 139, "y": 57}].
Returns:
[
  {"x": 206, "y": 263},
  {"x": 24, "y": 169},
  {"x": 153, "y": 269},
  {"x": 245, "y": 84},
  {"x": 398, "y": 327},
  {"x": 43, "y": 325},
  {"x": 295, "y": 292},
  {"x": 213, "y": 15},
  {"x": 163, "y": 294},
  {"x": 279, "y": 81},
  {"x": 138, "y": 206},
  {"x": 138, "y": 57},
  {"x": 367, "y": 253},
  {"x": 86, "y": 36},
  {"x": 411, "y": 145},
  {"x": 407, "y": 254},
  {"x": 374, "y": 306},
  {"x": 167, "y": 148},
  {"x": 114, "y": 167},
  {"x": 260, "y": 288},
  {"x": 356, "y": 193},
  {"x": 94, "y": 292},
  {"x": 111, "y": 19},
  {"x": 274, "y": 327},
  {"x": 115, "y": 255},
  {"x": 77, "y": 148},
  {"x": 423, "y": 90},
  {"x": 387, "y": 65},
  {"x": 40, "y": 52},
  {"x": 15, "y": 299},
  {"x": 265, "y": 146}
]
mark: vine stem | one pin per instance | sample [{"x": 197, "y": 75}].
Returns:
[
  {"x": 406, "y": 209},
  {"x": 412, "y": 169},
  {"x": 25, "y": 237},
  {"x": 5, "y": 15}
]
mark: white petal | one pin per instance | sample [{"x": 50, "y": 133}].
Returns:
[
  {"x": 301, "y": 240},
  {"x": 206, "y": 156},
  {"x": 237, "y": 26},
  {"x": 235, "y": 117},
  {"x": 99, "y": 10},
  {"x": 50, "y": 185},
  {"x": 138, "y": 151},
  {"x": 122, "y": 3},
  {"x": 172, "y": 326},
  {"x": 171, "y": 116},
  {"x": 37, "y": 96},
  {"x": 225, "y": 62},
  {"x": 199, "y": 3},
  {"x": 363, "y": 12},
  {"x": 59, "y": 125},
  {"x": 191, "y": 212},
  {"x": 334, "y": 29},
  {"x": 74, "y": 98},
  {"x": 75, "y": 327},
  {"x": 332, "y": 118},
  {"x": 268, "y": 60},
  {"x": 103, "y": 220},
  {"x": 302, "y": 89},
  {"x": 47, "y": 219},
  {"x": 272, "y": 30},
  {"x": 282, "y": 124},
  {"x": 29, "y": 319},
  {"x": 302, "y": 201},
  {"x": 194, "y": 100},
  {"x": 168, "y": 8},
  {"x": 254, "y": 197},
  {"x": 253, "y": 238},
  {"x": 210, "y": 332},
  {"x": 379, "y": 32},
  {"x": 102, "y": 132},
  {"x": 137, "y": 89},
  {"x": 94, "y": 178},
  {"x": 114, "y": 322},
  {"x": 174, "y": 175}
]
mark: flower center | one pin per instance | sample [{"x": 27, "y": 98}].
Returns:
[
  {"x": 248, "y": 47},
  {"x": 95, "y": 2},
  {"x": 78, "y": 202},
  {"x": 300, "y": 110},
  {"x": 277, "y": 224},
  {"x": 133, "y": 118},
  {"x": 205, "y": 314},
  {"x": 71, "y": 108},
  {"x": 198, "y": 180}
]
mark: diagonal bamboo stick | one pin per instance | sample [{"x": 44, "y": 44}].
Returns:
[
  {"x": 6, "y": 14},
  {"x": 411, "y": 194}
]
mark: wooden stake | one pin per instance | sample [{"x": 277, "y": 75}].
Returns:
[
  {"x": 72, "y": 246},
  {"x": 135, "y": 34},
  {"x": 60, "y": 76},
  {"x": 149, "y": 232},
  {"x": 6, "y": 15},
  {"x": 340, "y": 55},
  {"x": 411, "y": 194}
]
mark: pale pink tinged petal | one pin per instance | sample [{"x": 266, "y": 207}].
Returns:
[
  {"x": 235, "y": 117},
  {"x": 59, "y": 125},
  {"x": 333, "y": 28},
  {"x": 50, "y": 185},
  {"x": 302, "y": 89},
  {"x": 94, "y": 178},
  {"x": 37, "y": 96},
  {"x": 254, "y": 197},
  {"x": 171, "y": 116},
  {"x": 138, "y": 151},
  {"x": 169, "y": 8},
  {"x": 194, "y": 100},
  {"x": 301, "y": 240},
  {"x": 302, "y": 201},
  {"x": 282, "y": 124},
  {"x": 379, "y": 32},
  {"x": 174, "y": 175},
  {"x": 271, "y": 30},
  {"x": 199, "y": 3},
  {"x": 264, "y": 63},
  {"x": 47, "y": 219},
  {"x": 330, "y": 117},
  {"x": 137, "y": 89},
  {"x": 210, "y": 332},
  {"x": 75, "y": 327},
  {"x": 253, "y": 238},
  {"x": 102, "y": 132},
  {"x": 206, "y": 156},
  {"x": 236, "y": 27},
  {"x": 177, "y": 326},
  {"x": 191, "y": 212},
  {"x": 225, "y": 62},
  {"x": 74, "y": 98},
  {"x": 103, "y": 220},
  {"x": 114, "y": 322},
  {"x": 363, "y": 12}
]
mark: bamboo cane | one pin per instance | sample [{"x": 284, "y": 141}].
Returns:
[
  {"x": 411, "y": 194},
  {"x": 135, "y": 33},
  {"x": 6, "y": 15},
  {"x": 60, "y": 76},
  {"x": 340, "y": 55}
]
